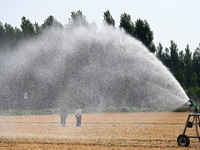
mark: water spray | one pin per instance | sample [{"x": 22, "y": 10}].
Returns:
[{"x": 193, "y": 120}]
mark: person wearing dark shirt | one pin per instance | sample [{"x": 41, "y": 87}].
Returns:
[{"x": 63, "y": 115}]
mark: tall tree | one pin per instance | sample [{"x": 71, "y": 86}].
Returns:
[
  {"x": 174, "y": 57},
  {"x": 143, "y": 32},
  {"x": 176, "y": 63},
  {"x": 28, "y": 29},
  {"x": 188, "y": 65},
  {"x": 196, "y": 63},
  {"x": 78, "y": 19},
  {"x": 159, "y": 52},
  {"x": 48, "y": 23},
  {"x": 108, "y": 18},
  {"x": 10, "y": 37},
  {"x": 166, "y": 58},
  {"x": 181, "y": 60},
  {"x": 18, "y": 33},
  {"x": 37, "y": 28},
  {"x": 2, "y": 35},
  {"x": 126, "y": 23}
]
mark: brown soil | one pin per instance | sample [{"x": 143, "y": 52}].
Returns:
[{"x": 98, "y": 131}]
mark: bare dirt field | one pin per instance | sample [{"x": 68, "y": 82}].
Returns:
[{"x": 98, "y": 131}]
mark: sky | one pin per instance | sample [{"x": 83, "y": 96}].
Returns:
[{"x": 176, "y": 20}]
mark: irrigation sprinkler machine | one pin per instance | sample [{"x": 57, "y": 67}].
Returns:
[{"x": 192, "y": 120}]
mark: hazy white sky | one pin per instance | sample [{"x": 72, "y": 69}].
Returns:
[{"x": 177, "y": 20}]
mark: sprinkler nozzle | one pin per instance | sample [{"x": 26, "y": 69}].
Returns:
[{"x": 192, "y": 104}]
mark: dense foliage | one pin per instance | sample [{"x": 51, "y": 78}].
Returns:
[{"x": 184, "y": 64}]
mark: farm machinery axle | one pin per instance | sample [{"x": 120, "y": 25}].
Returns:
[{"x": 193, "y": 120}]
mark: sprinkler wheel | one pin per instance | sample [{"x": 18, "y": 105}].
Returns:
[{"x": 183, "y": 140}]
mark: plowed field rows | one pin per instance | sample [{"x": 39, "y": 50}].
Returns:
[{"x": 98, "y": 131}]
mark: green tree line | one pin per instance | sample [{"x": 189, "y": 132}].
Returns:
[{"x": 183, "y": 64}]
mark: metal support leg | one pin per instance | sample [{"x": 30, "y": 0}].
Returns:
[{"x": 186, "y": 124}]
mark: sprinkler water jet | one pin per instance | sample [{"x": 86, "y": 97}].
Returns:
[{"x": 89, "y": 66}]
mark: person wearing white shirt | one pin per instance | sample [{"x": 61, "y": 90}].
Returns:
[{"x": 78, "y": 116}]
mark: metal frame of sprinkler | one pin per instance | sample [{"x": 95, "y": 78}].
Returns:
[{"x": 184, "y": 140}]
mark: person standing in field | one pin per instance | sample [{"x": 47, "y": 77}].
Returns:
[
  {"x": 78, "y": 116},
  {"x": 63, "y": 115}
]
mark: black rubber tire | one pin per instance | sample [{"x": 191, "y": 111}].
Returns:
[{"x": 183, "y": 140}]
